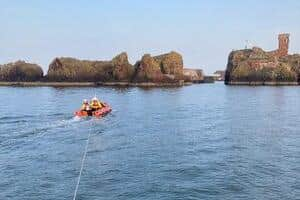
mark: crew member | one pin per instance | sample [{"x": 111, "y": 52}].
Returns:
[
  {"x": 85, "y": 105},
  {"x": 96, "y": 104}
]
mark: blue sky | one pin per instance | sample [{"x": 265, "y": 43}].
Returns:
[{"x": 204, "y": 32}]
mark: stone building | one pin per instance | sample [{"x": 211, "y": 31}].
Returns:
[{"x": 283, "y": 45}]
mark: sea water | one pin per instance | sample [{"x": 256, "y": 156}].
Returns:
[{"x": 207, "y": 141}]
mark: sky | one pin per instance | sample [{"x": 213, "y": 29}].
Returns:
[{"x": 203, "y": 32}]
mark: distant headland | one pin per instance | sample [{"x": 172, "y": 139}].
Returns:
[
  {"x": 258, "y": 67},
  {"x": 162, "y": 70}
]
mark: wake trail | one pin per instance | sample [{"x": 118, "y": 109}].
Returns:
[{"x": 39, "y": 131}]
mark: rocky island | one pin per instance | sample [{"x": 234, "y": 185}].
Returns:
[
  {"x": 20, "y": 71},
  {"x": 258, "y": 67},
  {"x": 162, "y": 70}
]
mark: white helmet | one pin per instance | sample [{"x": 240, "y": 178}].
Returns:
[
  {"x": 94, "y": 99},
  {"x": 85, "y": 101}
]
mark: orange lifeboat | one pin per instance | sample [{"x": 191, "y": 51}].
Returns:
[{"x": 97, "y": 113}]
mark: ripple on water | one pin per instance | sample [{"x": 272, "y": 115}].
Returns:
[{"x": 181, "y": 143}]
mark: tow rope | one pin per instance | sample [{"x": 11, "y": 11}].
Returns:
[{"x": 82, "y": 164}]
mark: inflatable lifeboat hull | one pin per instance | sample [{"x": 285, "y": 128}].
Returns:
[{"x": 98, "y": 113}]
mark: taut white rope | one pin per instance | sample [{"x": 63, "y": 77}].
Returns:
[{"x": 81, "y": 168}]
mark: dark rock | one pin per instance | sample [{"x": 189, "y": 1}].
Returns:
[
  {"x": 148, "y": 70},
  {"x": 256, "y": 65},
  {"x": 294, "y": 62},
  {"x": 163, "y": 68},
  {"x": 70, "y": 69},
  {"x": 166, "y": 68},
  {"x": 171, "y": 63},
  {"x": 260, "y": 67},
  {"x": 123, "y": 70},
  {"x": 20, "y": 71}
]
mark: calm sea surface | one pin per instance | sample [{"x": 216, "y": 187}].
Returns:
[{"x": 206, "y": 141}]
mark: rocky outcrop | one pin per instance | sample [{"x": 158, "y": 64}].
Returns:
[
  {"x": 256, "y": 66},
  {"x": 171, "y": 64},
  {"x": 294, "y": 62},
  {"x": 20, "y": 71},
  {"x": 122, "y": 70},
  {"x": 71, "y": 69},
  {"x": 193, "y": 75},
  {"x": 148, "y": 70},
  {"x": 163, "y": 68}
]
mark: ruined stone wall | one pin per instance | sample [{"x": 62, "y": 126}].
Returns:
[{"x": 283, "y": 45}]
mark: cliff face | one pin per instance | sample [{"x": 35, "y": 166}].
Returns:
[
  {"x": 162, "y": 68},
  {"x": 71, "y": 69},
  {"x": 256, "y": 65},
  {"x": 171, "y": 64},
  {"x": 20, "y": 71},
  {"x": 294, "y": 62},
  {"x": 148, "y": 70},
  {"x": 123, "y": 70},
  {"x": 165, "y": 68}
]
